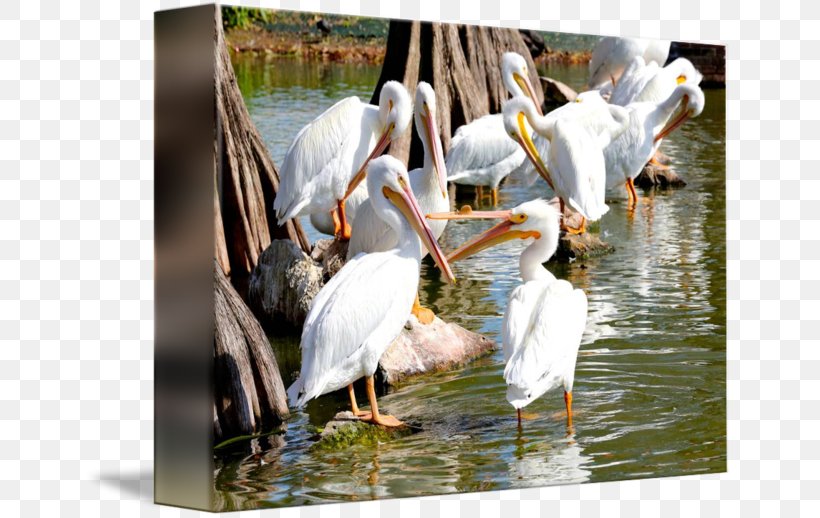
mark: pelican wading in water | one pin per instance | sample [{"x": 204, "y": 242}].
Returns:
[
  {"x": 371, "y": 233},
  {"x": 648, "y": 124},
  {"x": 327, "y": 160},
  {"x": 361, "y": 310},
  {"x": 612, "y": 55},
  {"x": 545, "y": 316},
  {"x": 576, "y": 169},
  {"x": 480, "y": 154}
]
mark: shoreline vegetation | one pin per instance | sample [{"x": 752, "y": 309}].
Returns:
[{"x": 351, "y": 39}]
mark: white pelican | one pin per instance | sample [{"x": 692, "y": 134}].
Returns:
[
  {"x": 328, "y": 158},
  {"x": 613, "y": 54},
  {"x": 576, "y": 170},
  {"x": 429, "y": 184},
  {"x": 648, "y": 124},
  {"x": 362, "y": 309},
  {"x": 480, "y": 154},
  {"x": 643, "y": 82},
  {"x": 545, "y": 317}
]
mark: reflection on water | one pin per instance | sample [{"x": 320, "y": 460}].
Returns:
[{"x": 650, "y": 379}]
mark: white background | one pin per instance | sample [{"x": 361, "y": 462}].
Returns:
[{"x": 76, "y": 258}]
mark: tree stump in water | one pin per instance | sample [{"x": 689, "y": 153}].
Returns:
[
  {"x": 249, "y": 396},
  {"x": 461, "y": 63},
  {"x": 245, "y": 178}
]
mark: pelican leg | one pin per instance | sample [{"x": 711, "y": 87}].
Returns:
[
  {"x": 376, "y": 417},
  {"x": 480, "y": 192},
  {"x": 581, "y": 228},
  {"x": 354, "y": 407},
  {"x": 568, "y": 402},
  {"x": 343, "y": 230},
  {"x": 631, "y": 194},
  {"x": 425, "y": 315},
  {"x": 519, "y": 417},
  {"x": 494, "y": 194}
]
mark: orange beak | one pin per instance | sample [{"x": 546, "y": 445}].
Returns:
[
  {"x": 678, "y": 119},
  {"x": 526, "y": 85},
  {"x": 431, "y": 131},
  {"x": 496, "y": 235},
  {"x": 525, "y": 141},
  {"x": 381, "y": 145},
  {"x": 406, "y": 202}
]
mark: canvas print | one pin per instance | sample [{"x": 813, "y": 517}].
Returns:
[{"x": 455, "y": 258}]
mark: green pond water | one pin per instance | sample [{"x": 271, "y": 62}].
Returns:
[{"x": 649, "y": 395}]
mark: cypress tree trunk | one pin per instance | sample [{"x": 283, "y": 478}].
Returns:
[
  {"x": 245, "y": 177},
  {"x": 463, "y": 65}
]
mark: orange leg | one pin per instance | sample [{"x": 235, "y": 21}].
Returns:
[
  {"x": 341, "y": 227},
  {"x": 568, "y": 402},
  {"x": 581, "y": 229},
  {"x": 354, "y": 406},
  {"x": 376, "y": 417},
  {"x": 631, "y": 194},
  {"x": 425, "y": 316},
  {"x": 494, "y": 194}
]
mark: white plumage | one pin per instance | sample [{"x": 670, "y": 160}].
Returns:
[
  {"x": 326, "y": 154},
  {"x": 575, "y": 165},
  {"x": 480, "y": 154},
  {"x": 545, "y": 317},
  {"x": 429, "y": 183},
  {"x": 649, "y": 83},
  {"x": 359, "y": 312},
  {"x": 542, "y": 333},
  {"x": 612, "y": 55},
  {"x": 648, "y": 123}
]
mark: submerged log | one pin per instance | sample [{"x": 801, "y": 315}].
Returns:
[
  {"x": 461, "y": 63},
  {"x": 245, "y": 178},
  {"x": 249, "y": 396},
  {"x": 581, "y": 246}
]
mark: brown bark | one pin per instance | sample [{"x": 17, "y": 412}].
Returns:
[
  {"x": 249, "y": 396},
  {"x": 246, "y": 178},
  {"x": 461, "y": 63}
]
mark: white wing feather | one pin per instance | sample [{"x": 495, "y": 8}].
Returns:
[
  {"x": 354, "y": 318},
  {"x": 482, "y": 153},
  {"x": 542, "y": 334},
  {"x": 636, "y": 76},
  {"x": 579, "y": 170},
  {"x": 323, "y": 157}
]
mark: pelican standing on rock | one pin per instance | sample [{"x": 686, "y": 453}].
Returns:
[
  {"x": 545, "y": 317},
  {"x": 480, "y": 154},
  {"x": 328, "y": 158},
  {"x": 648, "y": 124},
  {"x": 429, "y": 184},
  {"x": 576, "y": 170},
  {"x": 361, "y": 310}
]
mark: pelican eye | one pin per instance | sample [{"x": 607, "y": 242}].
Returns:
[{"x": 518, "y": 218}]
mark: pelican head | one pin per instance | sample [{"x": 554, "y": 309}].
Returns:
[
  {"x": 532, "y": 221},
  {"x": 394, "y": 117},
  {"x": 518, "y": 114},
  {"x": 590, "y": 97},
  {"x": 690, "y": 102},
  {"x": 427, "y": 128},
  {"x": 684, "y": 72},
  {"x": 389, "y": 189},
  {"x": 516, "y": 77}
]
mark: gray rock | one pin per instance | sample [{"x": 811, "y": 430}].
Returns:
[
  {"x": 345, "y": 430},
  {"x": 283, "y": 284},
  {"x": 556, "y": 93},
  {"x": 436, "y": 347},
  {"x": 658, "y": 177}
]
